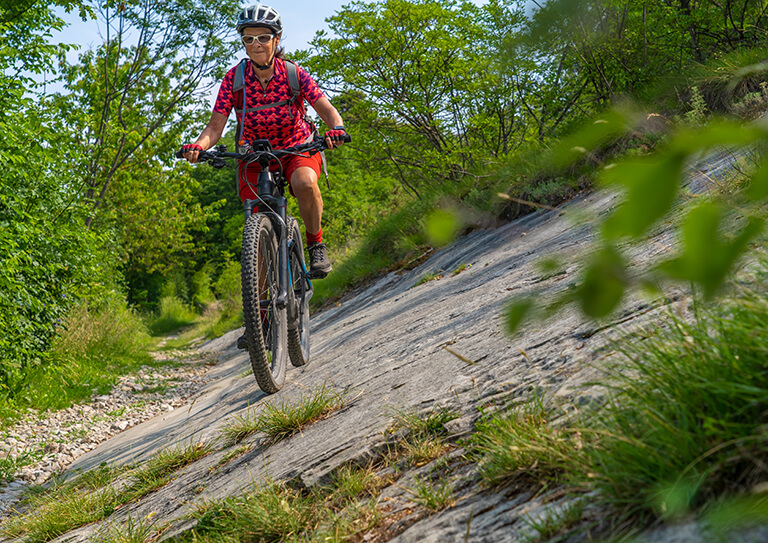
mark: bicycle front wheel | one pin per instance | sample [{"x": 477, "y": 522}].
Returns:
[
  {"x": 265, "y": 324},
  {"x": 298, "y": 328}
]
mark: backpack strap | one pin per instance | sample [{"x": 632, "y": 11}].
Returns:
[
  {"x": 293, "y": 81},
  {"x": 238, "y": 85}
]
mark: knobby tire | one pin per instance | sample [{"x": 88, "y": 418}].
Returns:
[
  {"x": 298, "y": 332},
  {"x": 265, "y": 324}
]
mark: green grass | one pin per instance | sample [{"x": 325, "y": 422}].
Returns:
[
  {"x": 520, "y": 442},
  {"x": 171, "y": 315},
  {"x": 9, "y": 465},
  {"x": 156, "y": 471},
  {"x": 53, "y": 515},
  {"x": 681, "y": 430},
  {"x": 92, "y": 496},
  {"x": 95, "y": 346},
  {"x": 431, "y": 423},
  {"x": 131, "y": 531},
  {"x": 433, "y": 496},
  {"x": 427, "y": 277},
  {"x": 424, "y": 439},
  {"x": 351, "y": 482},
  {"x": 274, "y": 511},
  {"x": 271, "y": 512},
  {"x": 279, "y": 421},
  {"x": 686, "y": 421},
  {"x": 554, "y": 525}
]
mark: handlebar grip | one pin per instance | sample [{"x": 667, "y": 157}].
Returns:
[
  {"x": 347, "y": 138},
  {"x": 179, "y": 154}
]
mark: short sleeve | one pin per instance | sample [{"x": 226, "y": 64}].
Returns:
[
  {"x": 225, "y": 99},
  {"x": 309, "y": 88}
]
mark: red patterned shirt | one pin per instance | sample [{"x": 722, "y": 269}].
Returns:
[{"x": 275, "y": 124}]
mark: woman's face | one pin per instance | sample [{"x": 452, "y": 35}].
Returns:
[{"x": 260, "y": 53}]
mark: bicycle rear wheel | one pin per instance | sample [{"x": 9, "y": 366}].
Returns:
[
  {"x": 265, "y": 324},
  {"x": 298, "y": 329}
]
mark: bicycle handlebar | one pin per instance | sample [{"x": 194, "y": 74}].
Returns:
[{"x": 215, "y": 156}]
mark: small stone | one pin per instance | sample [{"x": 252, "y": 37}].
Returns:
[
  {"x": 137, "y": 388},
  {"x": 120, "y": 425}
]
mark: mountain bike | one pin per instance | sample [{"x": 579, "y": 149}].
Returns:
[{"x": 276, "y": 284}]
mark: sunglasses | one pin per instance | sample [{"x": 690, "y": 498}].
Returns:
[{"x": 263, "y": 39}]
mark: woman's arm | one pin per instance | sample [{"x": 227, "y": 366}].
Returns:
[
  {"x": 210, "y": 135},
  {"x": 330, "y": 117}
]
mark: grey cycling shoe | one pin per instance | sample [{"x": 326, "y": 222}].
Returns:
[{"x": 319, "y": 263}]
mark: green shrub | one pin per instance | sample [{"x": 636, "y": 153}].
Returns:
[
  {"x": 94, "y": 346},
  {"x": 228, "y": 287},
  {"x": 172, "y": 314},
  {"x": 201, "y": 284}
]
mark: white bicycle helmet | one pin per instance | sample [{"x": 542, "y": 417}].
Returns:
[{"x": 260, "y": 15}]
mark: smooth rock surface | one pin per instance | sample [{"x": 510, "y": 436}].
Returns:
[{"x": 398, "y": 346}]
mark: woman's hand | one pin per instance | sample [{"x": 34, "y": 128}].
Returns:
[
  {"x": 335, "y": 137},
  {"x": 191, "y": 151}
]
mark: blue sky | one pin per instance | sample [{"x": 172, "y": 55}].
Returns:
[{"x": 301, "y": 20}]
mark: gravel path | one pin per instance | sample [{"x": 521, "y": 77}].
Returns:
[{"x": 44, "y": 444}]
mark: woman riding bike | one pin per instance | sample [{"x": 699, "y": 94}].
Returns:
[{"x": 267, "y": 109}]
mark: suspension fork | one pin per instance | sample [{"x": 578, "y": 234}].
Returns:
[{"x": 277, "y": 214}]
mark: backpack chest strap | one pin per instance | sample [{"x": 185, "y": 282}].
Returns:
[{"x": 239, "y": 111}]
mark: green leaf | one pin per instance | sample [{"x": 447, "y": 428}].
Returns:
[
  {"x": 604, "y": 283},
  {"x": 442, "y": 227},
  {"x": 707, "y": 257},
  {"x": 722, "y": 133},
  {"x": 758, "y": 185},
  {"x": 517, "y": 312},
  {"x": 591, "y": 136},
  {"x": 651, "y": 189}
]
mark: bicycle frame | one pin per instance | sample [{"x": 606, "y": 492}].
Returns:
[{"x": 271, "y": 195}]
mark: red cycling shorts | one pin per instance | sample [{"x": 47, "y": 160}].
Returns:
[{"x": 250, "y": 177}]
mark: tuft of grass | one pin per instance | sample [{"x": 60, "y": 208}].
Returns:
[
  {"x": 520, "y": 442},
  {"x": 686, "y": 421},
  {"x": 272, "y": 512},
  {"x": 430, "y": 424},
  {"x": 422, "y": 449},
  {"x": 555, "y": 525},
  {"x": 55, "y": 514},
  {"x": 157, "y": 470},
  {"x": 434, "y": 497},
  {"x": 427, "y": 277},
  {"x": 351, "y": 482},
  {"x": 231, "y": 455},
  {"x": 279, "y": 421},
  {"x": 238, "y": 427},
  {"x": 424, "y": 440},
  {"x": 131, "y": 531},
  {"x": 682, "y": 428},
  {"x": 460, "y": 268}
]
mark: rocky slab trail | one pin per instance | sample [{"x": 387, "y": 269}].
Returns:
[{"x": 396, "y": 345}]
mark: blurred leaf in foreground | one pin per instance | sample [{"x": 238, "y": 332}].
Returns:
[
  {"x": 707, "y": 256},
  {"x": 442, "y": 227}
]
